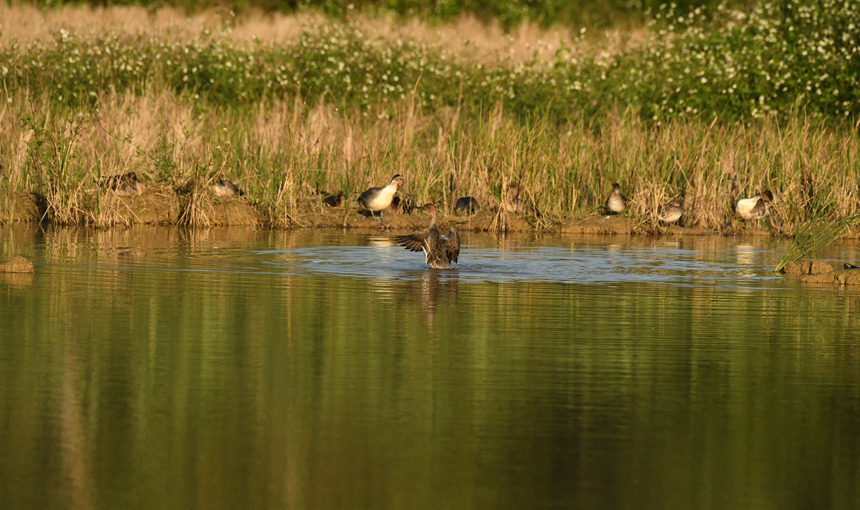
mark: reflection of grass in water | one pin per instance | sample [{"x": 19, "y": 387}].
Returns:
[{"x": 817, "y": 232}]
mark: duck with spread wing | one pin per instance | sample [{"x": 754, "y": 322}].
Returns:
[{"x": 439, "y": 250}]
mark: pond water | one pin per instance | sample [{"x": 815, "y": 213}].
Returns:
[{"x": 163, "y": 368}]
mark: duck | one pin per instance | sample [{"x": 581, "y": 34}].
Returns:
[
  {"x": 466, "y": 205},
  {"x": 376, "y": 200},
  {"x": 512, "y": 203},
  {"x": 224, "y": 188},
  {"x": 333, "y": 200},
  {"x": 616, "y": 202},
  {"x": 439, "y": 251},
  {"x": 401, "y": 206},
  {"x": 754, "y": 208},
  {"x": 125, "y": 185},
  {"x": 672, "y": 211}
]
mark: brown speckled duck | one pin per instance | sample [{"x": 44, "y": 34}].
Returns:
[
  {"x": 672, "y": 211},
  {"x": 333, "y": 200},
  {"x": 223, "y": 188},
  {"x": 125, "y": 185},
  {"x": 439, "y": 250},
  {"x": 617, "y": 202},
  {"x": 512, "y": 202}
]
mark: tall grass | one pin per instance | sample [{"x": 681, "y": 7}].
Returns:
[
  {"x": 283, "y": 152},
  {"x": 338, "y": 106}
]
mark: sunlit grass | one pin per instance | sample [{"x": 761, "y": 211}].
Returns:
[
  {"x": 284, "y": 153},
  {"x": 290, "y": 106}
]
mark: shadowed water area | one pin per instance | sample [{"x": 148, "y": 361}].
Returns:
[{"x": 162, "y": 368}]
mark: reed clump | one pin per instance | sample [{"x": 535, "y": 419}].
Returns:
[{"x": 816, "y": 232}]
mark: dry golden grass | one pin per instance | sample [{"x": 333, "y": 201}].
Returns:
[
  {"x": 466, "y": 37},
  {"x": 283, "y": 154}
]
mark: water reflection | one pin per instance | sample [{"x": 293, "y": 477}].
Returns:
[{"x": 248, "y": 368}]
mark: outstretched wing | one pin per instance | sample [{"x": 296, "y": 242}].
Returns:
[
  {"x": 414, "y": 241},
  {"x": 452, "y": 245}
]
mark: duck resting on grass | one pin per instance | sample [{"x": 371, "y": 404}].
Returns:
[
  {"x": 617, "y": 202},
  {"x": 439, "y": 251},
  {"x": 125, "y": 185},
  {"x": 672, "y": 211},
  {"x": 378, "y": 199},
  {"x": 466, "y": 205},
  {"x": 754, "y": 208},
  {"x": 513, "y": 203},
  {"x": 333, "y": 199},
  {"x": 223, "y": 188}
]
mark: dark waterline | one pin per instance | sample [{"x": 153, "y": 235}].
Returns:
[{"x": 156, "y": 368}]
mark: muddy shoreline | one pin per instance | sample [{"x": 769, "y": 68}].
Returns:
[{"x": 164, "y": 208}]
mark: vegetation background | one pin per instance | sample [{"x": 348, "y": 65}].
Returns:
[{"x": 705, "y": 101}]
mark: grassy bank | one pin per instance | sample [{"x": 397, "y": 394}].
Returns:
[{"x": 317, "y": 105}]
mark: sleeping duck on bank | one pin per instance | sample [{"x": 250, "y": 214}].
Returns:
[
  {"x": 754, "y": 208},
  {"x": 439, "y": 251}
]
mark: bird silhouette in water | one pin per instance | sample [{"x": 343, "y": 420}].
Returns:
[
  {"x": 378, "y": 199},
  {"x": 754, "y": 208},
  {"x": 439, "y": 251},
  {"x": 617, "y": 202}
]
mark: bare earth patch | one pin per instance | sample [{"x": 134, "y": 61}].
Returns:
[{"x": 233, "y": 212}]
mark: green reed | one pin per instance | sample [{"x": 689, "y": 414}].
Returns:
[{"x": 816, "y": 232}]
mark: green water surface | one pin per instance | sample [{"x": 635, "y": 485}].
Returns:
[{"x": 159, "y": 368}]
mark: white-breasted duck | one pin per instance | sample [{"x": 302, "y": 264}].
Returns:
[
  {"x": 378, "y": 199},
  {"x": 617, "y": 202},
  {"x": 439, "y": 251},
  {"x": 754, "y": 208}
]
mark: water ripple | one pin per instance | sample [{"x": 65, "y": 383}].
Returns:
[{"x": 590, "y": 264}]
